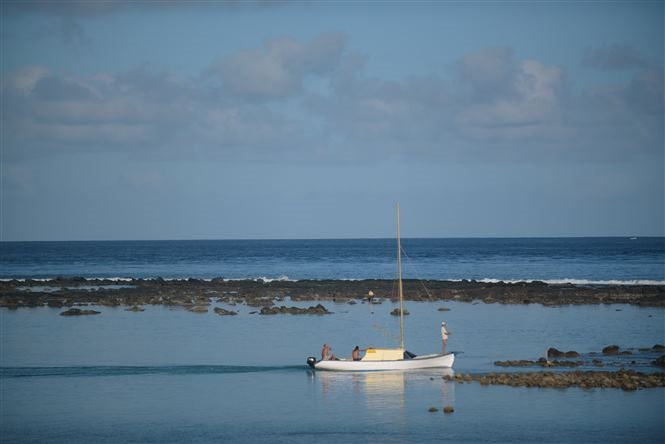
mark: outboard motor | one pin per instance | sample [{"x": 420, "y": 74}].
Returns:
[{"x": 311, "y": 361}]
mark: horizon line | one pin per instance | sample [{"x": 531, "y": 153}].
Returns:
[{"x": 340, "y": 238}]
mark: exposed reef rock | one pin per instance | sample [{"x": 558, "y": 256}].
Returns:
[
  {"x": 624, "y": 379},
  {"x": 554, "y": 353},
  {"x": 611, "y": 350},
  {"x": 223, "y": 312},
  {"x": 68, "y": 292},
  {"x": 610, "y": 356},
  {"x": 396, "y": 312},
  {"x": 316, "y": 310}
]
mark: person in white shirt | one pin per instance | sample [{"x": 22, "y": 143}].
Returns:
[{"x": 444, "y": 335}]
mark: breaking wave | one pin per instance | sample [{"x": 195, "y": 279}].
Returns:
[
  {"x": 578, "y": 282},
  {"x": 284, "y": 278}
]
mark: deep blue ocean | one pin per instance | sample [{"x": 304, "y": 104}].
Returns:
[
  {"x": 580, "y": 260},
  {"x": 169, "y": 375}
]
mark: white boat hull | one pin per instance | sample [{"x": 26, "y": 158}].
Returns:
[{"x": 419, "y": 362}]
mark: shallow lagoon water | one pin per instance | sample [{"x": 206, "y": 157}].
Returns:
[
  {"x": 168, "y": 375},
  {"x": 160, "y": 335},
  {"x": 295, "y": 406}
]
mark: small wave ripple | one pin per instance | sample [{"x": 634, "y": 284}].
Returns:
[{"x": 96, "y": 371}]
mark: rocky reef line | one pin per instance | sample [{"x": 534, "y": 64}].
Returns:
[
  {"x": 626, "y": 377},
  {"x": 628, "y": 380},
  {"x": 69, "y": 292}
]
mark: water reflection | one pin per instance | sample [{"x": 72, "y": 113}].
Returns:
[{"x": 389, "y": 392}]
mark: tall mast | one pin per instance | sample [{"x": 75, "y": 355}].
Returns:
[{"x": 401, "y": 290}]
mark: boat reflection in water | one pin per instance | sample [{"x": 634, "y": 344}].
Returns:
[{"x": 390, "y": 391}]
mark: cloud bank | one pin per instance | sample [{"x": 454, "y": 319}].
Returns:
[{"x": 312, "y": 101}]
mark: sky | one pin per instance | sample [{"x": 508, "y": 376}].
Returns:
[{"x": 298, "y": 119}]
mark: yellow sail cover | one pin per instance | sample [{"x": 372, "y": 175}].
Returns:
[{"x": 383, "y": 354}]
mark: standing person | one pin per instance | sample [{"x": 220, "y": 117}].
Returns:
[
  {"x": 355, "y": 354},
  {"x": 444, "y": 335}
]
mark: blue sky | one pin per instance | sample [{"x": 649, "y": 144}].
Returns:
[{"x": 245, "y": 120}]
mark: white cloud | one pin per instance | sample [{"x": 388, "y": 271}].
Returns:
[
  {"x": 279, "y": 68},
  {"x": 487, "y": 73},
  {"x": 534, "y": 108},
  {"x": 24, "y": 80},
  {"x": 495, "y": 106}
]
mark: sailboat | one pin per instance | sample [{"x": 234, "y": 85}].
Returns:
[{"x": 388, "y": 358}]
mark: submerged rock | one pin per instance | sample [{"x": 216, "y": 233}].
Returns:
[
  {"x": 542, "y": 362},
  {"x": 520, "y": 363},
  {"x": 79, "y": 312}
]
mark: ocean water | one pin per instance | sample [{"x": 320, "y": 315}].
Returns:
[
  {"x": 169, "y": 375},
  {"x": 581, "y": 260}
]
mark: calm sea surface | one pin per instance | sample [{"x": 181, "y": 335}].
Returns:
[
  {"x": 168, "y": 375},
  {"x": 615, "y": 259}
]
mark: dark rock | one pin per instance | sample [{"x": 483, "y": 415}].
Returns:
[
  {"x": 223, "y": 312},
  {"x": 317, "y": 310},
  {"x": 432, "y": 409},
  {"x": 199, "y": 309},
  {"x": 611, "y": 350},
  {"x": 448, "y": 409},
  {"x": 395, "y": 312},
  {"x": 660, "y": 362},
  {"x": 135, "y": 308},
  {"x": 78, "y": 312},
  {"x": 554, "y": 353},
  {"x": 626, "y": 380},
  {"x": 658, "y": 348}
]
